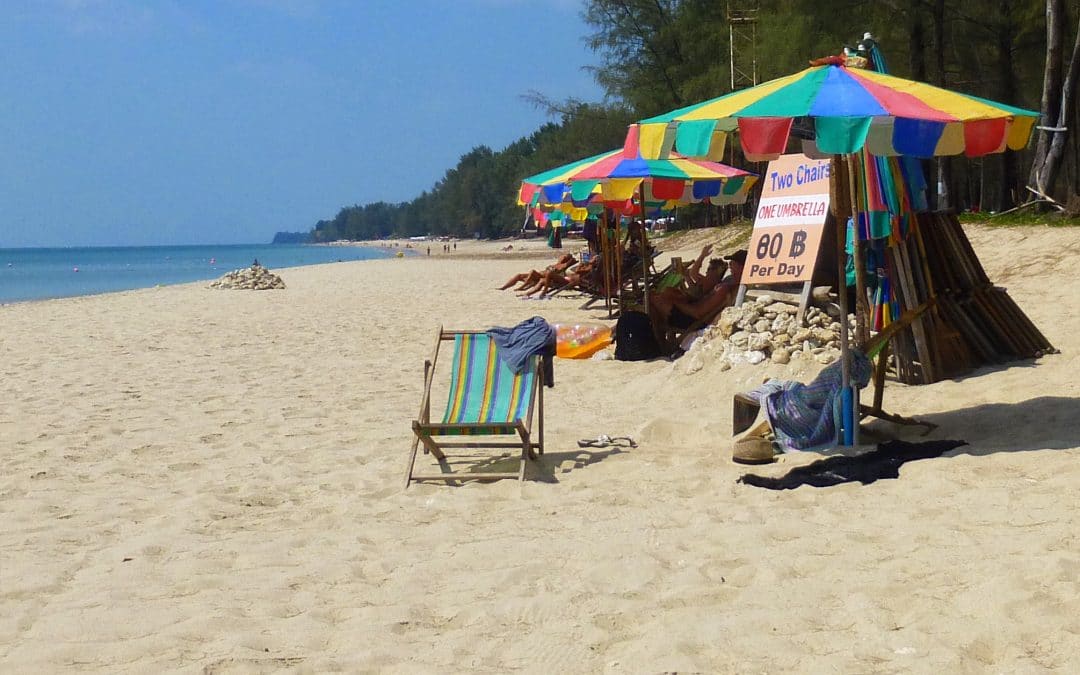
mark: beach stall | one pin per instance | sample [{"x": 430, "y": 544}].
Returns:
[{"x": 874, "y": 128}]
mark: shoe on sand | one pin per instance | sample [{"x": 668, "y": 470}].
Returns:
[{"x": 752, "y": 450}]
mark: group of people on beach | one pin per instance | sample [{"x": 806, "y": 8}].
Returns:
[{"x": 690, "y": 298}]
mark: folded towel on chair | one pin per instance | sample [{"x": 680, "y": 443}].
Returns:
[
  {"x": 517, "y": 344},
  {"x": 804, "y": 416}
]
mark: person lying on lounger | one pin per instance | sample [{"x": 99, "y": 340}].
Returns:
[
  {"x": 684, "y": 313},
  {"x": 530, "y": 278},
  {"x": 552, "y": 280}
]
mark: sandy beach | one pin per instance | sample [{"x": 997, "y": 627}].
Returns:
[{"x": 210, "y": 481}]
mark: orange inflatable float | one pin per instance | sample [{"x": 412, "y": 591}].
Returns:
[{"x": 580, "y": 340}]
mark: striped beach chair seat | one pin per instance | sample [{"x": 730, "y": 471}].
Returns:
[{"x": 485, "y": 401}]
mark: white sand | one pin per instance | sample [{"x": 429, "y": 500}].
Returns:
[{"x": 211, "y": 481}]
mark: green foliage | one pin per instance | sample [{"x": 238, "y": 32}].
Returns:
[
  {"x": 479, "y": 195},
  {"x": 1025, "y": 218},
  {"x": 656, "y": 55}
]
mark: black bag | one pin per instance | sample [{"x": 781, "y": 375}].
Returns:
[{"x": 634, "y": 338}]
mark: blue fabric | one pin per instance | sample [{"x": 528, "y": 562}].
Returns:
[
  {"x": 631, "y": 168},
  {"x": 916, "y": 181},
  {"x": 841, "y": 96},
  {"x": 553, "y": 193},
  {"x": 517, "y": 344},
  {"x": 916, "y": 138},
  {"x": 805, "y": 416},
  {"x": 707, "y": 188}
]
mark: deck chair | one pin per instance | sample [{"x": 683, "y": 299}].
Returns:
[{"x": 485, "y": 401}]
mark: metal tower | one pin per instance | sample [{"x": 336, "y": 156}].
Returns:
[{"x": 742, "y": 40}]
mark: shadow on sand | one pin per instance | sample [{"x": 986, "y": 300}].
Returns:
[{"x": 1043, "y": 423}]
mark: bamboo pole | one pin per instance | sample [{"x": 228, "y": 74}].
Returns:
[{"x": 862, "y": 309}]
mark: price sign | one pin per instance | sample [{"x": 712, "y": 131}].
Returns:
[{"x": 789, "y": 222}]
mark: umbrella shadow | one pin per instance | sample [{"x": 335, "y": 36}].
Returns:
[
  {"x": 1042, "y": 423},
  {"x": 996, "y": 368}
]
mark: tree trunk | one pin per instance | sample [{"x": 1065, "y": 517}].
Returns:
[
  {"x": 943, "y": 164},
  {"x": 1051, "y": 104},
  {"x": 1010, "y": 170},
  {"x": 917, "y": 42},
  {"x": 1051, "y": 165}
]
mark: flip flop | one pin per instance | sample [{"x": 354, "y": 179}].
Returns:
[{"x": 604, "y": 441}]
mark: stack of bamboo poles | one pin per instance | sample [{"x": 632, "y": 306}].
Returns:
[
  {"x": 994, "y": 328},
  {"x": 968, "y": 322},
  {"x": 962, "y": 320}
]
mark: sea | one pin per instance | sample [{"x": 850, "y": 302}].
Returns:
[{"x": 42, "y": 273}]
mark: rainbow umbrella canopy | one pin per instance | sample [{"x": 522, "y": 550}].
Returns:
[
  {"x": 612, "y": 179},
  {"x": 851, "y": 109}
]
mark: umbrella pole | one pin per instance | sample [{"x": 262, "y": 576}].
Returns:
[
  {"x": 850, "y": 416},
  {"x": 841, "y": 295},
  {"x": 644, "y": 248},
  {"x": 618, "y": 263},
  {"x": 605, "y": 260}
]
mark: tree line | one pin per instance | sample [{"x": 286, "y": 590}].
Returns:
[{"x": 657, "y": 55}]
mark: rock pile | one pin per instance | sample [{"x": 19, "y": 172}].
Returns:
[
  {"x": 764, "y": 329},
  {"x": 254, "y": 278}
]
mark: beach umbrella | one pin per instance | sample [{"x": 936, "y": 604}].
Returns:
[
  {"x": 618, "y": 176},
  {"x": 624, "y": 182},
  {"x": 851, "y": 109}
]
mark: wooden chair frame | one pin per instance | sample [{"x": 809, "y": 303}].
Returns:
[{"x": 424, "y": 429}]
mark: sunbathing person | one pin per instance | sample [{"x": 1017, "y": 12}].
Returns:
[
  {"x": 697, "y": 286},
  {"x": 553, "y": 280},
  {"x": 531, "y": 277},
  {"x": 682, "y": 314}
]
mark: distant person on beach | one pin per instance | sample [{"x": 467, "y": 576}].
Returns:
[{"x": 589, "y": 231}]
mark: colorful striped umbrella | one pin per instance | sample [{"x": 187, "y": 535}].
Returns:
[
  {"x": 615, "y": 177},
  {"x": 851, "y": 108}
]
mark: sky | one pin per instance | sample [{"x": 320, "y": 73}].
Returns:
[{"x": 167, "y": 122}]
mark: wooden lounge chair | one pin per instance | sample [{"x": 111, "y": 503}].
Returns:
[{"x": 486, "y": 401}]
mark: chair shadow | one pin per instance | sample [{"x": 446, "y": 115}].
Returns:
[
  {"x": 1042, "y": 423},
  {"x": 544, "y": 469},
  {"x": 552, "y": 464}
]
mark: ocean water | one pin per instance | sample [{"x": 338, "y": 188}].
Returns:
[{"x": 40, "y": 273}]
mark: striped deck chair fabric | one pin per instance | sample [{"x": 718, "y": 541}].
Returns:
[
  {"x": 486, "y": 404},
  {"x": 483, "y": 390}
]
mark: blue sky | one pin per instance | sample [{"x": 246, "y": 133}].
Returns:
[{"x": 142, "y": 122}]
